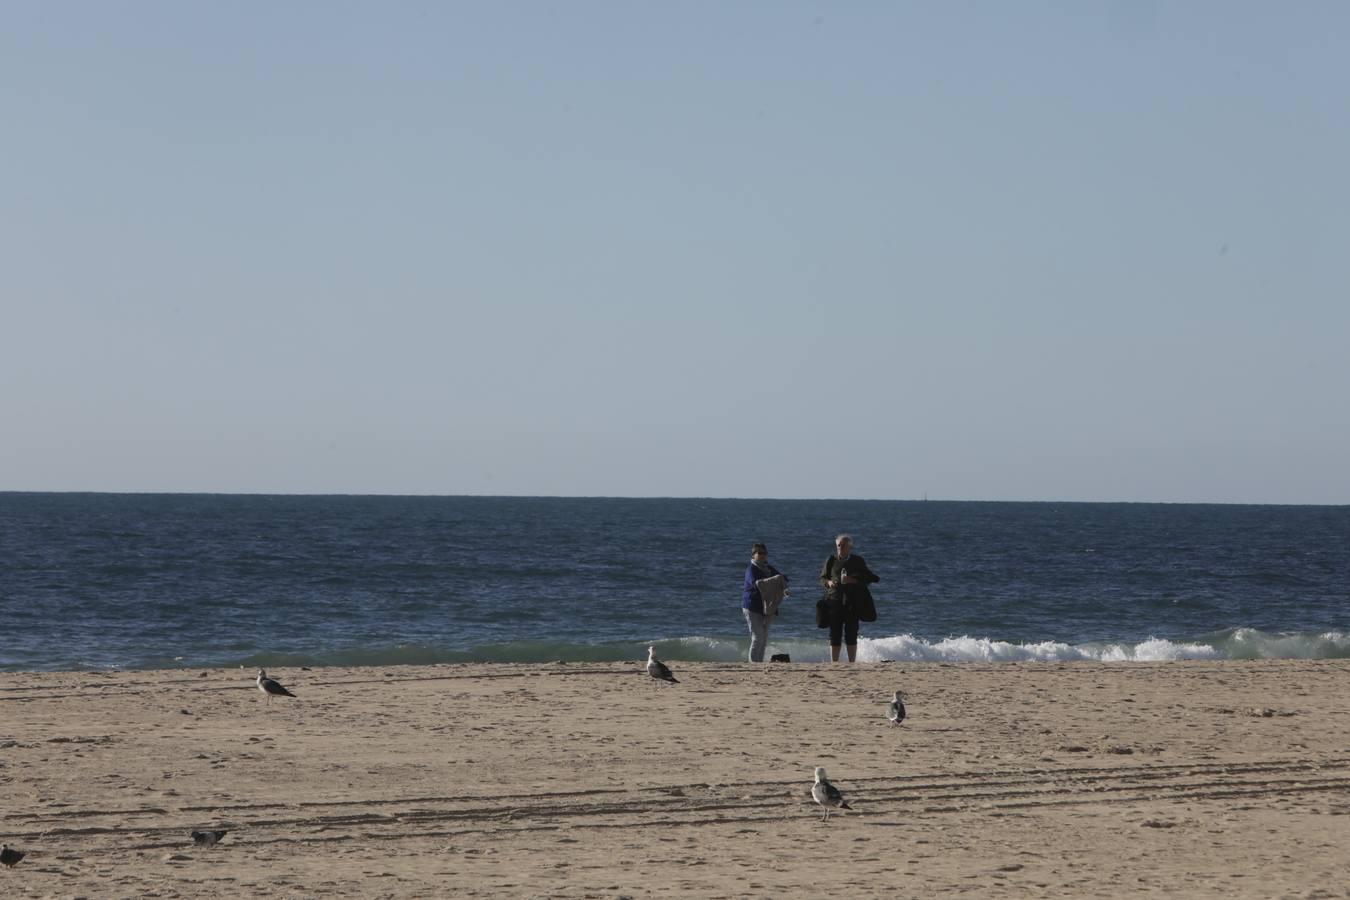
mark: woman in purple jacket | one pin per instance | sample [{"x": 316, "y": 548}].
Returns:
[{"x": 752, "y": 602}]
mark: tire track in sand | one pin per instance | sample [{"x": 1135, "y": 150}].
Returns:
[{"x": 695, "y": 805}]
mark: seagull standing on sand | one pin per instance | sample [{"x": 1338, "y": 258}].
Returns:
[
  {"x": 270, "y": 687},
  {"x": 657, "y": 669},
  {"x": 10, "y": 857},
  {"x": 826, "y": 794},
  {"x": 896, "y": 711},
  {"x": 207, "y": 838}
]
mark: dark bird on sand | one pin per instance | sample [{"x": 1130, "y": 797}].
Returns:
[
  {"x": 896, "y": 711},
  {"x": 10, "y": 857},
  {"x": 207, "y": 838},
  {"x": 657, "y": 669},
  {"x": 826, "y": 794},
  {"x": 271, "y": 688}
]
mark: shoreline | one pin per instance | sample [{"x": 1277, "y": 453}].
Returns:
[
  {"x": 1062, "y": 779},
  {"x": 1226, "y": 645},
  {"x": 629, "y": 665}
]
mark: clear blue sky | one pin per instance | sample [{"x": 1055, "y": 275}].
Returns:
[{"x": 1043, "y": 251}]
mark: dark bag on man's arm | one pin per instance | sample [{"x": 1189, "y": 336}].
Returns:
[
  {"x": 867, "y": 609},
  {"x": 862, "y": 599},
  {"x": 823, "y": 604}
]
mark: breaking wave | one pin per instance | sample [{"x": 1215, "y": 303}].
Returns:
[{"x": 1233, "y": 643}]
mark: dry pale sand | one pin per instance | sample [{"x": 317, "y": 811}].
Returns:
[{"x": 1192, "y": 779}]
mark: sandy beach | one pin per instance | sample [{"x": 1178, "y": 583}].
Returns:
[{"x": 590, "y": 780}]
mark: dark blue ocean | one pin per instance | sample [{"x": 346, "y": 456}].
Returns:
[{"x": 149, "y": 581}]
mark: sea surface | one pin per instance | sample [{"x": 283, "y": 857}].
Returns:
[{"x": 93, "y": 581}]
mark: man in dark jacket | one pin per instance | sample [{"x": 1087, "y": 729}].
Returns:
[{"x": 845, "y": 577}]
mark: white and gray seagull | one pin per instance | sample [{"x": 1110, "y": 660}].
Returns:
[
  {"x": 826, "y": 794},
  {"x": 271, "y": 688},
  {"x": 896, "y": 711},
  {"x": 657, "y": 669}
]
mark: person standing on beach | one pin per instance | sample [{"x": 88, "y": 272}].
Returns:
[
  {"x": 845, "y": 577},
  {"x": 757, "y": 616}
]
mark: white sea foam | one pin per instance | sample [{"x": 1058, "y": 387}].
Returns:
[
  {"x": 1155, "y": 650},
  {"x": 1248, "y": 643},
  {"x": 1234, "y": 643},
  {"x": 908, "y": 648},
  {"x": 971, "y": 649}
]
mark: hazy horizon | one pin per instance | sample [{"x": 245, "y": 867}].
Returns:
[{"x": 242, "y": 493}]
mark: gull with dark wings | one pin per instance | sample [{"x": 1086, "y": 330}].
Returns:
[
  {"x": 271, "y": 688},
  {"x": 659, "y": 670}
]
